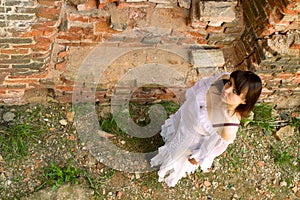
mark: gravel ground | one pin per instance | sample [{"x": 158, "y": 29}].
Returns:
[{"x": 40, "y": 149}]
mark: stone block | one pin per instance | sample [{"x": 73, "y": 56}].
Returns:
[
  {"x": 33, "y": 65},
  {"x": 15, "y": 40},
  {"x": 164, "y": 5},
  {"x": 204, "y": 58},
  {"x": 151, "y": 40},
  {"x": 49, "y": 2},
  {"x": 24, "y": 3},
  {"x": 217, "y": 12}
]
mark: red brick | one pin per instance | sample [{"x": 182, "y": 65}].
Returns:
[
  {"x": 91, "y": 4},
  {"x": 62, "y": 54},
  {"x": 290, "y": 12},
  {"x": 73, "y": 44},
  {"x": 195, "y": 34},
  {"x": 295, "y": 46},
  {"x": 75, "y": 29},
  {"x": 60, "y": 66},
  {"x": 64, "y": 88},
  {"x": 89, "y": 34},
  {"x": 69, "y": 36},
  {"x": 103, "y": 26},
  {"x": 77, "y": 17},
  {"x": 4, "y": 66},
  {"x": 83, "y": 44},
  {"x": 48, "y": 2},
  {"x": 266, "y": 76},
  {"x": 34, "y": 32},
  {"x": 291, "y": 6},
  {"x": 20, "y": 81},
  {"x": 267, "y": 91},
  {"x": 285, "y": 75},
  {"x": 269, "y": 30},
  {"x": 214, "y": 29},
  {"x": 2, "y": 91},
  {"x": 40, "y": 75},
  {"x": 48, "y": 13},
  {"x": 41, "y": 46},
  {"x": 199, "y": 24},
  {"x": 14, "y": 51},
  {"x": 43, "y": 55},
  {"x": 91, "y": 37},
  {"x": 202, "y": 41},
  {"x": 40, "y": 31},
  {"x": 44, "y": 25},
  {"x": 44, "y": 39}
]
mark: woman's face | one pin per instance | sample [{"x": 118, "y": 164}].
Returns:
[{"x": 230, "y": 96}]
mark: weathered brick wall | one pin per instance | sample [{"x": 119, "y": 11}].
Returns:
[
  {"x": 39, "y": 53},
  {"x": 43, "y": 42},
  {"x": 262, "y": 20},
  {"x": 27, "y": 30},
  {"x": 270, "y": 46}
]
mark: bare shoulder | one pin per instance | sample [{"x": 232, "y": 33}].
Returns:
[
  {"x": 239, "y": 116},
  {"x": 229, "y": 133}
]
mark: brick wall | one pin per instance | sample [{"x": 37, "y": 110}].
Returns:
[
  {"x": 28, "y": 30},
  {"x": 262, "y": 20},
  {"x": 43, "y": 42},
  {"x": 270, "y": 46}
]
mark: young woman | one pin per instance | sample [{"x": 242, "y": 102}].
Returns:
[{"x": 205, "y": 124}]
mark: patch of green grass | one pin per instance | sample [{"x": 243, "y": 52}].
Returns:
[
  {"x": 15, "y": 141},
  {"x": 170, "y": 107},
  {"x": 263, "y": 118},
  {"x": 110, "y": 125},
  {"x": 295, "y": 122},
  {"x": 109, "y": 174},
  {"x": 97, "y": 181},
  {"x": 56, "y": 176},
  {"x": 150, "y": 180},
  {"x": 262, "y": 112},
  {"x": 282, "y": 155},
  {"x": 139, "y": 113}
]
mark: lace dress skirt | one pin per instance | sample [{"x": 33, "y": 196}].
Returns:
[{"x": 189, "y": 134}]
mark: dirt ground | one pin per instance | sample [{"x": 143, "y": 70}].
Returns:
[{"x": 262, "y": 163}]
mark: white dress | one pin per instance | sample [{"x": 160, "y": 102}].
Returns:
[{"x": 186, "y": 139}]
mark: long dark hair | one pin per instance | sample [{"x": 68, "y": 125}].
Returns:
[{"x": 247, "y": 80}]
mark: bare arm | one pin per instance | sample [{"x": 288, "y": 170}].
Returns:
[{"x": 229, "y": 133}]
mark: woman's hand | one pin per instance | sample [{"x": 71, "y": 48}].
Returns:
[{"x": 193, "y": 161}]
